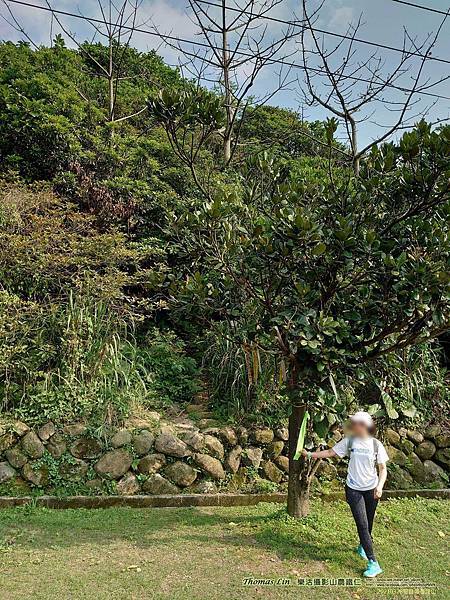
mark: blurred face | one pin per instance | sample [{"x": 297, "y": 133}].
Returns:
[{"x": 358, "y": 429}]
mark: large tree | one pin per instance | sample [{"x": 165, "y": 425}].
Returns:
[{"x": 325, "y": 270}]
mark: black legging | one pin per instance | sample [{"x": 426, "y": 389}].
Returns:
[{"x": 363, "y": 506}]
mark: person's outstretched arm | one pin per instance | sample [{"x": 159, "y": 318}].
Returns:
[{"x": 330, "y": 453}]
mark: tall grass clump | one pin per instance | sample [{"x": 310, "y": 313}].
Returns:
[{"x": 76, "y": 359}]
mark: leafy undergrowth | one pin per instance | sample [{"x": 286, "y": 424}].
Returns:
[{"x": 206, "y": 553}]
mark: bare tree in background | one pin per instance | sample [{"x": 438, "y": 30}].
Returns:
[
  {"x": 236, "y": 45},
  {"x": 119, "y": 23},
  {"x": 350, "y": 88},
  {"x": 116, "y": 27}
]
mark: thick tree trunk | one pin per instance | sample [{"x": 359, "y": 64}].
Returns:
[
  {"x": 298, "y": 498},
  {"x": 356, "y": 158},
  {"x": 298, "y": 487}
]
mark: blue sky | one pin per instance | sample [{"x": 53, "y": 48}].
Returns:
[{"x": 383, "y": 22}]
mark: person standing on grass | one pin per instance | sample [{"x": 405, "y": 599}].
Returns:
[{"x": 364, "y": 486}]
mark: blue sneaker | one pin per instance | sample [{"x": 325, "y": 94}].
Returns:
[
  {"x": 373, "y": 569},
  {"x": 360, "y": 550}
]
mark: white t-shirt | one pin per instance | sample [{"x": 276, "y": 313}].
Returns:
[{"x": 362, "y": 473}]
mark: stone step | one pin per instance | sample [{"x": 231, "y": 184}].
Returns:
[{"x": 199, "y": 410}]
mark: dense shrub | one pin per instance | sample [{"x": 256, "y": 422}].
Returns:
[
  {"x": 69, "y": 308},
  {"x": 172, "y": 375}
]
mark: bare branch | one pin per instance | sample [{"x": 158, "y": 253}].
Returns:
[
  {"x": 237, "y": 48},
  {"x": 335, "y": 90}
]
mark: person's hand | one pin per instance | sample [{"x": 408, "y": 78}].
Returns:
[{"x": 378, "y": 492}]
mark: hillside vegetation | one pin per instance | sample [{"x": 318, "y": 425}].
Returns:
[{"x": 98, "y": 277}]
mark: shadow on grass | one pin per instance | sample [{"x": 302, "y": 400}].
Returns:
[
  {"x": 200, "y": 542},
  {"x": 267, "y": 531},
  {"x": 71, "y": 527},
  {"x": 282, "y": 546}
]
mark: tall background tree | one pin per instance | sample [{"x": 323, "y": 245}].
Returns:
[
  {"x": 351, "y": 85},
  {"x": 116, "y": 28},
  {"x": 235, "y": 47}
]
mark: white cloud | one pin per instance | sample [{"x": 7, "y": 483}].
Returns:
[
  {"x": 340, "y": 18},
  {"x": 168, "y": 19}
]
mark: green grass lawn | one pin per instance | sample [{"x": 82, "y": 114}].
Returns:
[{"x": 206, "y": 553}]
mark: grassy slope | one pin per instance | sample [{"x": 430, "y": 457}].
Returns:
[{"x": 204, "y": 553}]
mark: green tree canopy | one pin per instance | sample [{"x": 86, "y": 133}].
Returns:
[{"x": 325, "y": 270}]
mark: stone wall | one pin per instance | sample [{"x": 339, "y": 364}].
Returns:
[
  {"x": 418, "y": 458},
  {"x": 153, "y": 456}
]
